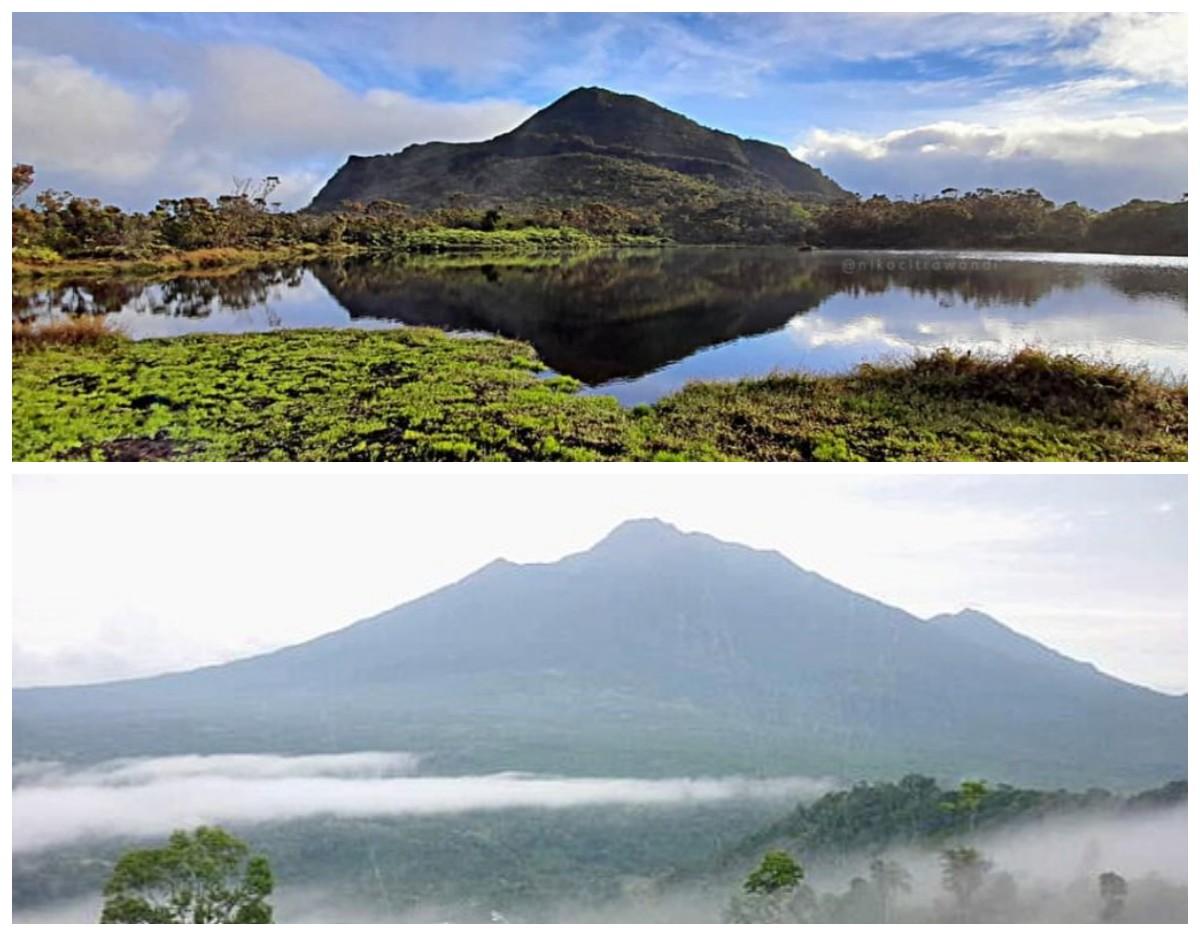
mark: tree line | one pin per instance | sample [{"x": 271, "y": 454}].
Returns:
[
  {"x": 977, "y": 890},
  {"x": 1008, "y": 219},
  {"x": 210, "y": 876},
  {"x": 62, "y": 224}
]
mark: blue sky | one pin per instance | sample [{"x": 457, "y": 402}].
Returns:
[{"x": 132, "y": 106}]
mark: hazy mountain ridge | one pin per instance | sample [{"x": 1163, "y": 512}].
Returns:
[
  {"x": 679, "y": 650},
  {"x": 578, "y": 148}
]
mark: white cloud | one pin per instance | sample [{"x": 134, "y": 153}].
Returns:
[
  {"x": 54, "y": 806},
  {"x": 1099, "y": 162},
  {"x": 1150, "y": 46},
  {"x": 69, "y": 118},
  {"x": 1101, "y": 134},
  {"x": 274, "y": 104},
  {"x": 135, "y": 771},
  {"x": 251, "y": 111}
]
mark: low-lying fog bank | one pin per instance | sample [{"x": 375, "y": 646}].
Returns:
[
  {"x": 55, "y": 805},
  {"x": 364, "y": 837}
]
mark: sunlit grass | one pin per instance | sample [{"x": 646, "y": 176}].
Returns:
[{"x": 418, "y": 394}]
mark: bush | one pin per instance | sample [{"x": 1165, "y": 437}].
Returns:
[
  {"x": 74, "y": 331},
  {"x": 36, "y": 255}
]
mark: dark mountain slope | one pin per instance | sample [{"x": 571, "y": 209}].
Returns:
[
  {"x": 591, "y": 144},
  {"x": 655, "y": 651}
]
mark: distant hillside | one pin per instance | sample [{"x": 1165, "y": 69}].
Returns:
[
  {"x": 653, "y": 653},
  {"x": 590, "y": 145},
  {"x": 869, "y": 817}
]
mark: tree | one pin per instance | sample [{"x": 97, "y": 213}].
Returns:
[
  {"x": 772, "y": 893},
  {"x": 22, "y": 179},
  {"x": 256, "y": 192},
  {"x": 1113, "y": 891},
  {"x": 777, "y": 871},
  {"x": 963, "y": 873},
  {"x": 970, "y": 795},
  {"x": 208, "y": 876},
  {"x": 889, "y": 877}
]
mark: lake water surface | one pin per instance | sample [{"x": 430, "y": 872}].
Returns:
[{"x": 640, "y": 324}]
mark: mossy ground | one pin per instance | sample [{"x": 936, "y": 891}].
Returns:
[{"x": 417, "y": 394}]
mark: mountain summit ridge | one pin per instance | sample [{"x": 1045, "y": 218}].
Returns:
[{"x": 591, "y": 144}]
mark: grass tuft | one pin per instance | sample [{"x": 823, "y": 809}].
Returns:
[{"x": 74, "y": 331}]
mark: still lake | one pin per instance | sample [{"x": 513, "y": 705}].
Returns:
[{"x": 640, "y": 324}]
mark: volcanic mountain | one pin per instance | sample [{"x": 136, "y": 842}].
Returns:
[
  {"x": 653, "y": 652},
  {"x": 589, "y": 145}
]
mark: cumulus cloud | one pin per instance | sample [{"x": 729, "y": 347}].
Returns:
[
  {"x": 282, "y": 106},
  {"x": 246, "y": 111},
  {"x": 1109, "y": 126},
  {"x": 55, "y": 805},
  {"x": 1099, "y": 162},
  {"x": 1150, "y": 46},
  {"x": 68, "y": 117}
]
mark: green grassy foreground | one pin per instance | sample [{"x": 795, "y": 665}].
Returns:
[{"x": 417, "y": 394}]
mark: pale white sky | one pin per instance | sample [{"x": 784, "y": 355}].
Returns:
[{"x": 120, "y": 575}]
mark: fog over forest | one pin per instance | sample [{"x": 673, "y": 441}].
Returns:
[
  {"x": 55, "y": 805},
  {"x": 1040, "y": 869}
]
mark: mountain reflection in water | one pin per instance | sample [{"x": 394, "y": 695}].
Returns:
[{"x": 641, "y": 323}]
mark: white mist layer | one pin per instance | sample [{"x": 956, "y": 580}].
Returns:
[
  {"x": 139, "y": 770},
  {"x": 55, "y": 805}
]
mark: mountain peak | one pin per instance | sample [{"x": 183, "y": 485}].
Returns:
[
  {"x": 591, "y": 144},
  {"x": 968, "y": 616},
  {"x": 591, "y": 101},
  {"x": 982, "y": 630},
  {"x": 975, "y": 623},
  {"x": 592, "y": 95},
  {"x": 607, "y": 118},
  {"x": 642, "y": 530}
]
